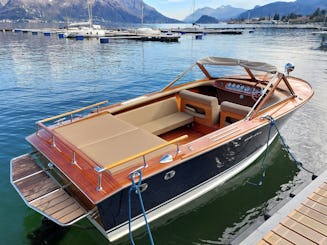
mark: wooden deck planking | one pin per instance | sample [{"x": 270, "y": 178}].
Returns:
[
  {"x": 313, "y": 224},
  {"x": 319, "y": 199},
  {"x": 307, "y": 211},
  {"x": 72, "y": 215},
  {"x": 36, "y": 186},
  {"x": 43, "y": 193},
  {"x": 303, "y": 220},
  {"x": 316, "y": 206},
  {"x": 291, "y": 236},
  {"x": 273, "y": 238},
  {"x": 49, "y": 201},
  {"x": 263, "y": 242},
  {"x": 304, "y": 230},
  {"x": 23, "y": 167},
  {"x": 59, "y": 206}
]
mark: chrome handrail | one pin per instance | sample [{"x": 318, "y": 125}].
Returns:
[{"x": 99, "y": 170}]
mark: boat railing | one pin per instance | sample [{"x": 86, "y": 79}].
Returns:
[
  {"x": 59, "y": 142},
  {"x": 142, "y": 154},
  {"x": 71, "y": 113}
]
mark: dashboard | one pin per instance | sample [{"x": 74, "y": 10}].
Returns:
[{"x": 238, "y": 88}]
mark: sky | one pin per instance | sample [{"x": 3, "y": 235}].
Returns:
[{"x": 179, "y": 9}]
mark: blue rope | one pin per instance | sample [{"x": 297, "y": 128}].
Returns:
[
  {"x": 287, "y": 148},
  {"x": 298, "y": 163},
  {"x": 135, "y": 187},
  {"x": 263, "y": 165}
]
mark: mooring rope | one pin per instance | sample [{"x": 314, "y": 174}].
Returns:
[
  {"x": 135, "y": 187},
  {"x": 286, "y": 147}
]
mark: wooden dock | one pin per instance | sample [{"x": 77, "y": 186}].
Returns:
[{"x": 303, "y": 220}]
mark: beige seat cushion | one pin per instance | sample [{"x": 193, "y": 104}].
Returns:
[
  {"x": 167, "y": 123},
  {"x": 122, "y": 146},
  {"x": 151, "y": 112},
  {"x": 93, "y": 129},
  {"x": 234, "y": 108},
  {"x": 106, "y": 139}
]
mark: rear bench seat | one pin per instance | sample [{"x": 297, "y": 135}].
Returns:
[{"x": 159, "y": 117}]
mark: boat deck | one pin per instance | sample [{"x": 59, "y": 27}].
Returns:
[
  {"x": 303, "y": 220},
  {"x": 43, "y": 194}
]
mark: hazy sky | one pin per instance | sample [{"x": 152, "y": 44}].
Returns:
[{"x": 179, "y": 9}]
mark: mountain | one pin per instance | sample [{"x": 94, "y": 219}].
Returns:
[
  {"x": 123, "y": 11},
  {"x": 225, "y": 12},
  {"x": 301, "y": 7},
  {"x": 205, "y": 19}
]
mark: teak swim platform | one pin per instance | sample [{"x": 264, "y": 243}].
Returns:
[{"x": 177, "y": 143}]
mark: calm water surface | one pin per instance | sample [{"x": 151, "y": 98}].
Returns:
[{"x": 44, "y": 76}]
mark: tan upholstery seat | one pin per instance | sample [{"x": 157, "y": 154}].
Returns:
[
  {"x": 157, "y": 118},
  {"x": 106, "y": 139},
  {"x": 204, "y": 108},
  {"x": 232, "y": 110}
]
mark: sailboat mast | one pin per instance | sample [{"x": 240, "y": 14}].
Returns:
[
  {"x": 142, "y": 13},
  {"x": 90, "y": 14}
]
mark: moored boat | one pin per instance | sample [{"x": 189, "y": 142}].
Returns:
[
  {"x": 85, "y": 29},
  {"x": 174, "y": 145}
]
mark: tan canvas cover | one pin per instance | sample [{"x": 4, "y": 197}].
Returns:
[{"x": 252, "y": 65}]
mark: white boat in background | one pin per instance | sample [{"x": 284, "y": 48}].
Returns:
[
  {"x": 154, "y": 34},
  {"x": 85, "y": 29}
]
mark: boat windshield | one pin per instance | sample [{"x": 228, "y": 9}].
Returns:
[{"x": 217, "y": 67}]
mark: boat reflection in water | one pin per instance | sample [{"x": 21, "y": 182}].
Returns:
[{"x": 171, "y": 146}]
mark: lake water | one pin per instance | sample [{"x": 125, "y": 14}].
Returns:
[{"x": 44, "y": 76}]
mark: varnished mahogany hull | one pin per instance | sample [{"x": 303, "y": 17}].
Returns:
[{"x": 189, "y": 175}]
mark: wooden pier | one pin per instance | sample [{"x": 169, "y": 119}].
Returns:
[{"x": 303, "y": 220}]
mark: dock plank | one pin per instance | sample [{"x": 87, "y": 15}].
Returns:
[
  {"x": 324, "y": 186},
  {"x": 273, "y": 238},
  {"x": 313, "y": 224},
  {"x": 322, "y": 192},
  {"x": 305, "y": 214},
  {"x": 313, "y": 214},
  {"x": 262, "y": 242},
  {"x": 305, "y": 231},
  {"x": 316, "y": 206},
  {"x": 291, "y": 236},
  {"x": 318, "y": 198}
]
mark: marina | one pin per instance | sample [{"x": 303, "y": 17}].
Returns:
[{"x": 217, "y": 200}]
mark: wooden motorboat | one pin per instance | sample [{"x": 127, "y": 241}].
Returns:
[{"x": 175, "y": 145}]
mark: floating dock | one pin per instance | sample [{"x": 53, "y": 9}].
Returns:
[
  {"x": 195, "y": 30},
  {"x": 110, "y": 35},
  {"x": 303, "y": 220}
]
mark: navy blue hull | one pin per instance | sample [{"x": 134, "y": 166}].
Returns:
[{"x": 188, "y": 175}]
